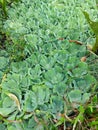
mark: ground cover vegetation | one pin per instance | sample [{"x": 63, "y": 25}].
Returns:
[{"x": 48, "y": 71}]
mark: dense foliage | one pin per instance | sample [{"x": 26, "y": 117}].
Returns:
[
  {"x": 42, "y": 77},
  {"x": 4, "y": 4},
  {"x": 31, "y": 25}
]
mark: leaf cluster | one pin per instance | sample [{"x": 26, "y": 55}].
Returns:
[
  {"x": 31, "y": 24},
  {"x": 49, "y": 81},
  {"x": 46, "y": 84}
]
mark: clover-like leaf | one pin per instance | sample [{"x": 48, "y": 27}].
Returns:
[
  {"x": 85, "y": 97},
  {"x": 35, "y": 73},
  {"x": 30, "y": 106},
  {"x": 60, "y": 88},
  {"x": 56, "y": 104},
  {"x": 7, "y": 102},
  {"x": 16, "y": 126},
  {"x": 42, "y": 94},
  {"x": 3, "y": 62},
  {"x": 32, "y": 39},
  {"x": 47, "y": 62},
  {"x": 80, "y": 70},
  {"x": 32, "y": 60},
  {"x": 75, "y": 96},
  {"x": 62, "y": 57},
  {"x": 6, "y": 111},
  {"x": 53, "y": 76}
]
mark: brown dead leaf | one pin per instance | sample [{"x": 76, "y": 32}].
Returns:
[
  {"x": 77, "y": 42},
  {"x": 13, "y": 97}
]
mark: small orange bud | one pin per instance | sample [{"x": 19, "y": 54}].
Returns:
[{"x": 83, "y": 59}]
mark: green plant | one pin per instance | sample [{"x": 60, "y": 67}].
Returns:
[
  {"x": 44, "y": 86},
  {"x": 94, "y": 27},
  {"x": 4, "y": 3},
  {"x": 49, "y": 81},
  {"x": 43, "y": 22},
  {"x": 87, "y": 116}
]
